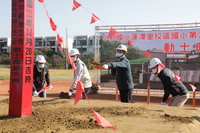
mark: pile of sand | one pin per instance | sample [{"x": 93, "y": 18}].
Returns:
[{"x": 60, "y": 115}]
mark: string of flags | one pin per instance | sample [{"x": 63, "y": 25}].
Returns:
[
  {"x": 94, "y": 18},
  {"x": 100, "y": 120}
]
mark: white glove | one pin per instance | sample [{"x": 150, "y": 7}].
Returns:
[
  {"x": 163, "y": 104},
  {"x": 69, "y": 93},
  {"x": 105, "y": 66},
  {"x": 35, "y": 93}
]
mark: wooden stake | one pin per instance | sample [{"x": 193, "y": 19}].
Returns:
[
  {"x": 148, "y": 93},
  {"x": 193, "y": 99},
  {"x": 116, "y": 94}
]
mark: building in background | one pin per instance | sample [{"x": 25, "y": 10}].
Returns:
[
  {"x": 5, "y": 44},
  {"x": 84, "y": 43},
  {"x": 40, "y": 42},
  {"x": 68, "y": 44}
]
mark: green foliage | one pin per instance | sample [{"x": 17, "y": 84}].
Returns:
[
  {"x": 108, "y": 50},
  {"x": 133, "y": 53},
  {"x": 5, "y": 58},
  {"x": 86, "y": 58},
  {"x": 54, "y": 60}
]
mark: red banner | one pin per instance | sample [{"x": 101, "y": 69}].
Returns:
[{"x": 22, "y": 56}]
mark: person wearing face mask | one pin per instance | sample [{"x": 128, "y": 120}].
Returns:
[
  {"x": 171, "y": 86},
  {"x": 40, "y": 75},
  {"x": 81, "y": 74},
  {"x": 122, "y": 70}
]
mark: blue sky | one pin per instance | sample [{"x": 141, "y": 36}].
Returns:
[{"x": 123, "y": 12}]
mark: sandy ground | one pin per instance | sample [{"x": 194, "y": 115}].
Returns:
[
  {"x": 52, "y": 115},
  {"x": 64, "y": 85}
]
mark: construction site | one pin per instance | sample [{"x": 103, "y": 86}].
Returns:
[{"x": 127, "y": 86}]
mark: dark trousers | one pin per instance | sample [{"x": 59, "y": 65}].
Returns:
[
  {"x": 86, "y": 92},
  {"x": 126, "y": 95}
]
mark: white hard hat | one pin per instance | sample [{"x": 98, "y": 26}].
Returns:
[
  {"x": 74, "y": 51},
  {"x": 154, "y": 62},
  {"x": 40, "y": 58},
  {"x": 122, "y": 47}
]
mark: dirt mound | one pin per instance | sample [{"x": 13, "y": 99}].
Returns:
[
  {"x": 60, "y": 115},
  {"x": 64, "y": 95},
  {"x": 5, "y": 101},
  {"x": 180, "y": 119}
]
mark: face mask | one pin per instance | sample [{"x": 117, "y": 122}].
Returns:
[
  {"x": 154, "y": 71},
  {"x": 73, "y": 59},
  {"x": 41, "y": 65},
  {"x": 118, "y": 55}
]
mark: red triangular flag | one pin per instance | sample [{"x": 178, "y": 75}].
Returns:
[
  {"x": 129, "y": 42},
  {"x": 53, "y": 26},
  {"x": 177, "y": 78},
  {"x": 161, "y": 67},
  {"x": 193, "y": 87},
  {"x": 60, "y": 48},
  {"x": 94, "y": 19},
  {"x": 41, "y": 1},
  {"x": 112, "y": 32},
  {"x": 75, "y": 5},
  {"x": 147, "y": 54},
  {"x": 79, "y": 90},
  {"x": 102, "y": 121},
  {"x": 71, "y": 62},
  {"x": 59, "y": 39}
]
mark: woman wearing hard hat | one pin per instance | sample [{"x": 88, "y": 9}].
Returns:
[
  {"x": 81, "y": 74},
  {"x": 122, "y": 70},
  {"x": 171, "y": 85},
  {"x": 40, "y": 75}
]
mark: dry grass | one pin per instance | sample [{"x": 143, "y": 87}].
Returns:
[
  {"x": 4, "y": 73},
  {"x": 55, "y": 74}
]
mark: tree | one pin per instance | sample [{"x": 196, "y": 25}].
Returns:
[
  {"x": 108, "y": 50},
  {"x": 4, "y": 58},
  {"x": 54, "y": 60},
  {"x": 86, "y": 58}
]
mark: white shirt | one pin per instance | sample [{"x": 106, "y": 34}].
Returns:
[{"x": 82, "y": 75}]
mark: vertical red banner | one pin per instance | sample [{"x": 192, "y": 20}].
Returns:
[{"x": 22, "y": 56}]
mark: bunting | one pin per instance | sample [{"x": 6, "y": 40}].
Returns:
[
  {"x": 41, "y": 1},
  {"x": 193, "y": 87},
  {"x": 60, "y": 48},
  {"x": 161, "y": 67},
  {"x": 177, "y": 78},
  {"x": 147, "y": 54},
  {"x": 53, "y": 26},
  {"x": 102, "y": 121},
  {"x": 94, "y": 19},
  {"x": 79, "y": 90},
  {"x": 59, "y": 39},
  {"x": 129, "y": 42},
  {"x": 71, "y": 62},
  {"x": 75, "y": 5},
  {"x": 112, "y": 32}
]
